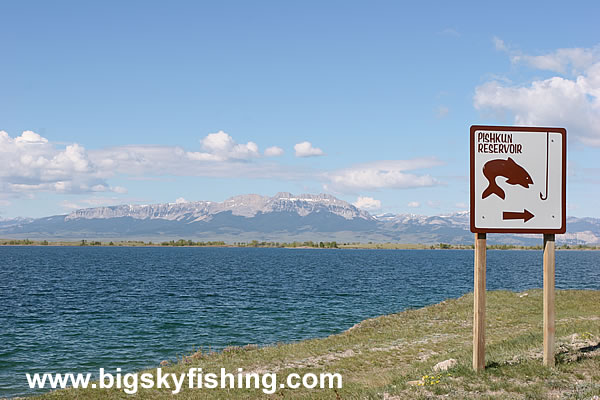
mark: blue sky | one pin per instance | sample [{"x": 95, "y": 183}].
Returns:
[{"x": 144, "y": 102}]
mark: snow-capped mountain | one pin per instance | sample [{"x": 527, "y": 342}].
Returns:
[
  {"x": 283, "y": 217},
  {"x": 14, "y": 222},
  {"x": 458, "y": 219},
  {"x": 244, "y": 205}
]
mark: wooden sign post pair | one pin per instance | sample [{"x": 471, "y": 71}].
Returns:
[{"x": 518, "y": 185}]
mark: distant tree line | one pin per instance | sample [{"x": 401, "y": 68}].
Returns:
[
  {"x": 18, "y": 242},
  {"x": 309, "y": 243},
  {"x": 183, "y": 242},
  {"x": 294, "y": 244},
  {"x": 93, "y": 243}
]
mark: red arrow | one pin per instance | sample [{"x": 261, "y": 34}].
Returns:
[{"x": 525, "y": 215}]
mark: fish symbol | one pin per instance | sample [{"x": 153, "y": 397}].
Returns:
[{"x": 516, "y": 175}]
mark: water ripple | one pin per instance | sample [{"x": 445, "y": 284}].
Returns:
[{"x": 72, "y": 309}]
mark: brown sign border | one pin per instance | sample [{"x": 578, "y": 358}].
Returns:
[{"x": 563, "y": 132}]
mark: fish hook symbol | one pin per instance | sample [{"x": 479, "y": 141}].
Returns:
[{"x": 542, "y": 196}]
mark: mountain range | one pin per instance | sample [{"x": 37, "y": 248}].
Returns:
[{"x": 283, "y": 217}]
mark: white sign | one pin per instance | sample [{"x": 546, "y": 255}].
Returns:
[{"x": 518, "y": 179}]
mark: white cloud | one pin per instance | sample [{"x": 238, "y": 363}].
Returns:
[
  {"x": 180, "y": 200},
  {"x": 273, "y": 151},
  {"x": 414, "y": 204},
  {"x": 150, "y": 162},
  {"x": 564, "y": 101},
  {"x": 29, "y": 163},
  {"x": 382, "y": 174},
  {"x": 221, "y": 156},
  {"x": 118, "y": 189},
  {"x": 499, "y": 44},
  {"x": 568, "y": 60},
  {"x": 433, "y": 203},
  {"x": 96, "y": 201},
  {"x": 563, "y": 61},
  {"x": 30, "y": 137},
  {"x": 70, "y": 205},
  {"x": 442, "y": 111},
  {"x": 450, "y": 32},
  {"x": 221, "y": 147},
  {"x": 306, "y": 149},
  {"x": 367, "y": 203}
]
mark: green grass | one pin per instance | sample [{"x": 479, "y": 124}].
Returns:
[{"x": 389, "y": 356}]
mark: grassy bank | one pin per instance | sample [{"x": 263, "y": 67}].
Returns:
[{"x": 391, "y": 357}]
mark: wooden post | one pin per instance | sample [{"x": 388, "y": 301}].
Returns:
[
  {"x": 479, "y": 303},
  {"x": 549, "y": 267}
]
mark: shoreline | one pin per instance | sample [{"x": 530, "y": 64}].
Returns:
[
  {"x": 394, "y": 356},
  {"x": 279, "y": 245}
]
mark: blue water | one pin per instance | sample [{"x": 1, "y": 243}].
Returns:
[{"x": 76, "y": 309}]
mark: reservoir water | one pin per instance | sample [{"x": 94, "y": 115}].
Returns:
[{"x": 76, "y": 309}]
